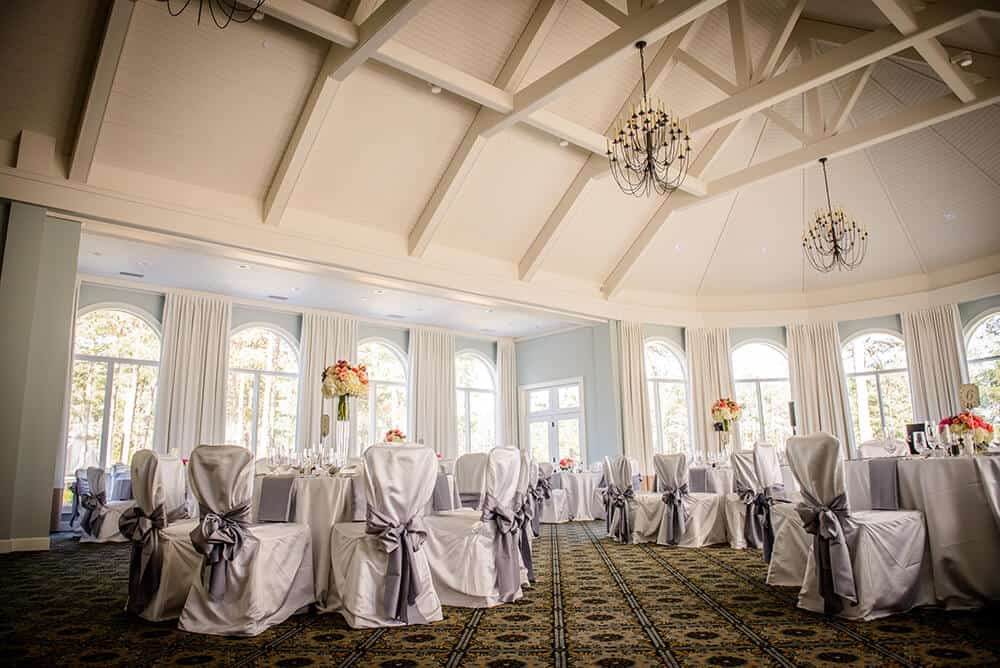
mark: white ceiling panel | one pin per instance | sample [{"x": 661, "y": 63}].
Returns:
[{"x": 372, "y": 165}]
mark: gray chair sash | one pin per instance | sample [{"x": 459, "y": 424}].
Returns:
[
  {"x": 146, "y": 561},
  {"x": 505, "y": 548},
  {"x": 399, "y": 542},
  {"x": 676, "y": 513},
  {"x": 95, "y": 507},
  {"x": 219, "y": 538},
  {"x": 753, "y": 531},
  {"x": 524, "y": 517},
  {"x": 545, "y": 485},
  {"x": 833, "y": 558},
  {"x": 536, "y": 497},
  {"x": 618, "y": 521},
  {"x": 74, "y": 489},
  {"x": 764, "y": 509}
]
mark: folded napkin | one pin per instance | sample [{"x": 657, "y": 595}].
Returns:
[
  {"x": 275, "y": 498},
  {"x": 883, "y": 479}
]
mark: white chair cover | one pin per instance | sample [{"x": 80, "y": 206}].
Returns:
[
  {"x": 253, "y": 577},
  {"x": 119, "y": 483},
  {"x": 474, "y": 560},
  {"x": 862, "y": 565},
  {"x": 99, "y": 521},
  {"x": 524, "y": 505},
  {"x": 379, "y": 567},
  {"x": 164, "y": 562},
  {"x": 746, "y": 506},
  {"x": 769, "y": 477},
  {"x": 690, "y": 519},
  {"x": 470, "y": 472},
  {"x": 629, "y": 519},
  {"x": 555, "y": 509}
]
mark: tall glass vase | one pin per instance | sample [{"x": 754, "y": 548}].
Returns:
[{"x": 342, "y": 434}]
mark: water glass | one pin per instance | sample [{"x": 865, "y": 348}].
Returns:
[{"x": 919, "y": 442}]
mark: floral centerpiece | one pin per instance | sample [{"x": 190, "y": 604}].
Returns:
[
  {"x": 342, "y": 380},
  {"x": 724, "y": 412},
  {"x": 566, "y": 464},
  {"x": 978, "y": 430},
  {"x": 395, "y": 436}
]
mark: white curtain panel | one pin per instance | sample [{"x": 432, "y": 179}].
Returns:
[
  {"x": 432, "y": 390},
  {"x": 636, "y": 428},
  {"x": 507, "y": 367},
  {"x": 935, "y": 354},
  {"x": 191, "y": 386},
  {"x": 819, "y": 388},
  {"x": 711, "y": 373},
  {"x": 326, "y": 338}
]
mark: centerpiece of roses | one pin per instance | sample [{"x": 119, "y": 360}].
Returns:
[
  {"x": 724, "y": 412},
  {"x": 342, "y": 380},
  {"x": 566, "y": 464},
  {"x": 395, "y": 436},
  {"x": 971, "y": 426}
]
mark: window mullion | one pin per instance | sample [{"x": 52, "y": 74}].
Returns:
[
  {"x": 760, "y": 412},
  {"x": 109, "y": 380},
  {"x": 255, "y": 407},
  {"x": 658, "y": 423}
]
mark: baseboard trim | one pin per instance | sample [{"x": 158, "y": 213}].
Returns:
[{"x": 8, "y": 545}]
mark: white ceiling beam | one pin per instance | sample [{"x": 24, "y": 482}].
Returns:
[
  {"x": 811, "y": 101},
  {"x": 898, "y": 124},
  {"x": 902, "y": 16},
  {"x": 340, "y": 62},
  {"x": 96, "y": 105},
  {"x": 474, "y": 141},
  {"x": 656, "y": 72},
  {"x": 840, "y": 117},
  {"x": 772, "y": 55},
  {"x": 829, "y": 66},
  {"x": 786, "y": 125},
  {"x": 607, "y": 10},
  {"x": 313, "y": 19},
  {"x": 741, "y": 44},
  {"x": 651, "y": 25}
]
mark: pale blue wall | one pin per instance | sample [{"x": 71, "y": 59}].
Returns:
[
  {"x": 482, "y": 346},
  {"x": 583, "y": 352},
  {"x": 147, "y": 302},
  {"x": 283, "y": 320},
  {"x": 775, "y": 335},
  {"x": 970, "y": 311},
  {"x": 671, "y": 333},
  {"x": 396, "y": 335},
  {"x": 849, "y": 328}
]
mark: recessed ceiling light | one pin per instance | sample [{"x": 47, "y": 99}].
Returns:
[
  {"x": 295, "y": 289},
  {"x": 258, "y": 16},
  {"x": 244, "y": 266},
  {"x": 963, "y": 59},
  {"x": 763, "y": 250},
  {"x": 380, "y": 292},
  {"x": 949, "y": 215},
  {"x": 677, "y": 247},
  {"x": 435, "y": 89},
  {"x": 144, "y": 263},
  {"x": 97, "y": 253},
  {"x": 563, "y": 143}
]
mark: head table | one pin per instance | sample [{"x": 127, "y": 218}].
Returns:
[{"x": 956, "y": 496}]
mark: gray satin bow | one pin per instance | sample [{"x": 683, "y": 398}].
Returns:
[
  {"x": 523, "y": 518},
  {"x": 619, "y": 524},
  {"x": 535, "y": 497},
  {"x": 676, "y": 513},
  {"x": 753, "y": 532},
  {"x": 764, "y": 509},
  {"x": 399, "y": 541},
  {"x": 146, "y": 561},
  {"x": 505, "y": 550},
  {"x": 95, "y": 508},
  {"x": 219, "y": 538},
  {"x": 833, "y": 558}
]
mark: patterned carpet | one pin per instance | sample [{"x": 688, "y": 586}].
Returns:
[{"x": 595, "y": 604}]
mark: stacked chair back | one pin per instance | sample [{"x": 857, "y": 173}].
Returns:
[
  {"x": 751, "y": 496},
  {"x": 618, "y": 494},
  {"x": 470, "y": 471}
]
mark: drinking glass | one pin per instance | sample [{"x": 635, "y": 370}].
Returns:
[
  {"x": 919, "y": 442},
  {"x": 944, "y": 431}
]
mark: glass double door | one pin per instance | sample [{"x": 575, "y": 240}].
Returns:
[{"x": 555, "y": 422}]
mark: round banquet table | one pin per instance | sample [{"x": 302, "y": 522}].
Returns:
[
  {"x": 954, "y": 494},
  {"x": 718, "y": 479},
  {"x": 580, "y": 489}
]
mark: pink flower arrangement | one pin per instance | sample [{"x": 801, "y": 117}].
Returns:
[
  {"x": 979, "y": 430},
  {"x": 342, "y": 380},
  {"x": 566, "y": 463},
  {"x": 395, "y": 436}
]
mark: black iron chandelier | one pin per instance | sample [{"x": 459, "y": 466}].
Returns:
[
  {"x": 648, "y": 150},
  {"x": 223, "y": 12},
  {"x": 832, "y": 239}
]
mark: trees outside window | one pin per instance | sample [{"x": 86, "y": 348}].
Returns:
[
  {"x": 475, "y": 402},
  {"x": 385, "y": 406},
  {"x": 878, "y": 385},
  {"x": 116, "y": 356},
  {"x": 668, "y": 398},
  {"x": 983, "y": 354},
  {"x": 262, "y": 390},
  {"x": 760, "y": 378}
]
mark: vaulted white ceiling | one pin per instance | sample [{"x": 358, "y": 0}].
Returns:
[{"x": 197, "y": 121}]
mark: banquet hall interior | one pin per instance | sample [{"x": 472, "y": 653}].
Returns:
[{"x": 500, "y": 332}]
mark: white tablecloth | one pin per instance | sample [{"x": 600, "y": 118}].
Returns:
[
  {"x": 718, "y": 479},
  {"x": 963, "y": 537},
  {"x": 580, "y": 489}
]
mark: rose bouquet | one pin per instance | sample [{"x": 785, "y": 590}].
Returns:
[
  {"x": 566, "y": 464},
  {"x": 395, "y": 436},
  {"x": 724, "y": 411},
  {"x": 979, "y": 431},
  {"x": 342, "y": 380}
]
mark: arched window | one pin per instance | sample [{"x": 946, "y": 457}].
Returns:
[
  {"x": 116, "y": 356},
  {"x": 760, "y": 378},
  {"x": 983, "y": 353},
  {"x": 476, "y": 407},
  {"x": 878, "y": 385},
  {"x": 385, "y": 406},
  {"x": 668, "y": 401},
  {"x": 262, "y": 391}
]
